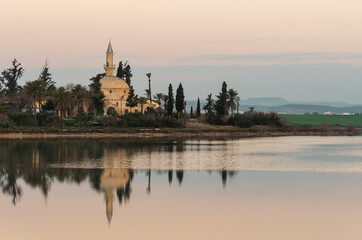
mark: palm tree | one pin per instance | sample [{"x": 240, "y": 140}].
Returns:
[
  {"x": 142, "y": 101},
  {"x": 159, "y": 97},
  {"x": 237, "y": 99},
  {"x": 149, "y": 86},
  {"x": 36, "y": 91},
  {"x": 165, "y": 100},
  {"x": 232, "y": 95},
  {"x": 79, "y": 96},
  {"x": 62, "y": 102}
]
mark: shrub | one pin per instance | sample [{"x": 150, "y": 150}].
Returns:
[
  {"x": 248, "y": 119},
  {"x": 21, "y": 118},
  {"x": 45, "y": 118},
  {"x": 7, "y": 124}
]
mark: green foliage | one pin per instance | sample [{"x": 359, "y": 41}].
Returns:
[
  {"x": 222, "y": 101},
  {"x": 140, "y": 120},
  {"x": 356, "y": 120},
  {"x": 132, "y": 99},
  {"x": 249, "y": 119},
  {"x": 180, "y": 99},
  {"x": 83, "y": 118},
  {"x": 170, "y": 101},
  {"x": 209, "y": 108},
  {"x": 9, "y": 78},
  {"x": 48, "y": 106},
  {"x": 158, "y": 97},
  {"x": 21, "y": 118},
  {"x": 79, "y": 96},
  {"x": 46, "y": 76},
  {"x": 198, "y": 108},
  {"x": 232, "y": 100},
  {"x": 7, "y": 124},
  {"x": 45, "y": 118},
  {"x": 124, "y": 72},
  {"x": 142, "y": 101},
  {"x": 96, "y": 93}
]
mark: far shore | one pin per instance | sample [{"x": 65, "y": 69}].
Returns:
[{"x": 208, "y": 133}]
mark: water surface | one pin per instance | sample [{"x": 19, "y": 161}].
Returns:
[{"x": 260, "y": 188}]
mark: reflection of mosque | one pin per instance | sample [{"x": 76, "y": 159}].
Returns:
[
  {"x": 29, "y": 161},
  {"x": 112, "y": 180}
]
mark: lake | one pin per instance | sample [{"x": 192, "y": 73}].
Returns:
[{"x": 251, "y": 188}]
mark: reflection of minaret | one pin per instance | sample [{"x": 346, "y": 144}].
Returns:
[{"x": 111, "y": 180}]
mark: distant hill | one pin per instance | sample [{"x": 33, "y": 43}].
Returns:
[
  {"x": 280, "y": 105},
  {"x": 265, "y": 101},
  {"x": 304, "y": 108}
]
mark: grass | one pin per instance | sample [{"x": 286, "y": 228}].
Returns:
[{"x": 356, "y": 120}]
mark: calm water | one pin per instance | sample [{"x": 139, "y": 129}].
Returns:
[{"x": 261, "y": 188}]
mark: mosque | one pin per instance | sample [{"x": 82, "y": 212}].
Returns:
[{"x": 116, "y": 90}]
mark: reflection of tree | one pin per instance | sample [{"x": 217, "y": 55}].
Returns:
[
  {"x": 124, "y": 194},
  {"x": 9, "y": 185},
  {"x": 180, "y": 176},
  {"x": 170, "y": 176},
  {"x": 224, "y": 176}
]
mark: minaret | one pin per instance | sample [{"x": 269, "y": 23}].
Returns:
[{"x": 109, "y": 67}]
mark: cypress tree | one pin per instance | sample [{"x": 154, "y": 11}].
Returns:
[
  {"x": 170, "y": 101},
  {"x": 191, "y": 112},
  {"x": 180, "y": 99},
  {"x": 198, "y": 108},
  {"x": 221, "y": 103},
  {"x": 132, "y": 99},
  {"x": 97, "y": 95}
]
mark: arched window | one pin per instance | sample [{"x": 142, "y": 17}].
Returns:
[
  {"x": 124, "y": 91},
  {"x": 117, "y": 104},
  {"x": 110, "y": 91}
]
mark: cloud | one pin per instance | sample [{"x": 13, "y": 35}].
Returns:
[{"x": 279, "y": 58}]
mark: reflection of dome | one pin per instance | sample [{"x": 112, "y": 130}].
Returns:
[
  {"x": 113, "y": 82},
  {"x": 114, "y": 178}
]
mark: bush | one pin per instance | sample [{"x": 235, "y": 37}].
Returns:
[
  {"x": 7, "y": 124},
  {"x": 83, "y": 118},
  {"x": 21, "y": 118},
  {"x": 45, "y": 118},
  {"x": 248, "y": 119}
]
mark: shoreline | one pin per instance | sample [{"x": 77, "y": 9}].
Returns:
[{"x": 174, "y": 133}]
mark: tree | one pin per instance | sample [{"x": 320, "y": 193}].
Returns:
[
  {"x": 147, "y": 93},
  {"x": 191, "y": 112},
  {"x": 221, "y": 103},
  {"x": 170, "y": 101},
  {"x": 79, "y": 96},
  {"x": 237, "y": 99},
  {"x": 132, "y": 99},
  {"x": 142, "y": 101},
  {"x": 198, "y": 110},
  {"x": 149, "y": 86},
  {"x": 11, "y": 76},
  {"x": 209, "y": 108},
  {"x": 159, "y": 97},
  {"x": 46, "y": 76},
  {"x": 96, "y": 93},
  {"x": 165, "y": 100},
  {"x": 232, "y": 100},
  {"x": 61, "y": 101},
  {"x": 124, "y": 72},
  {"x": 180, "y": 99},
  {"x": 36, "y": 91}
]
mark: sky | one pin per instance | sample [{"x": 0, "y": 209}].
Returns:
[{"x": 301, "y": 50}]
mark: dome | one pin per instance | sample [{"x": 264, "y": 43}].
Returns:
[{"x": 113, "y": 82}]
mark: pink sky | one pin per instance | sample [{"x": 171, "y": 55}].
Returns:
[{"x": 74, "y": 33}]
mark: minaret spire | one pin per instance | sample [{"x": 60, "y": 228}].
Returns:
[{"x": 109, "y": 67}]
